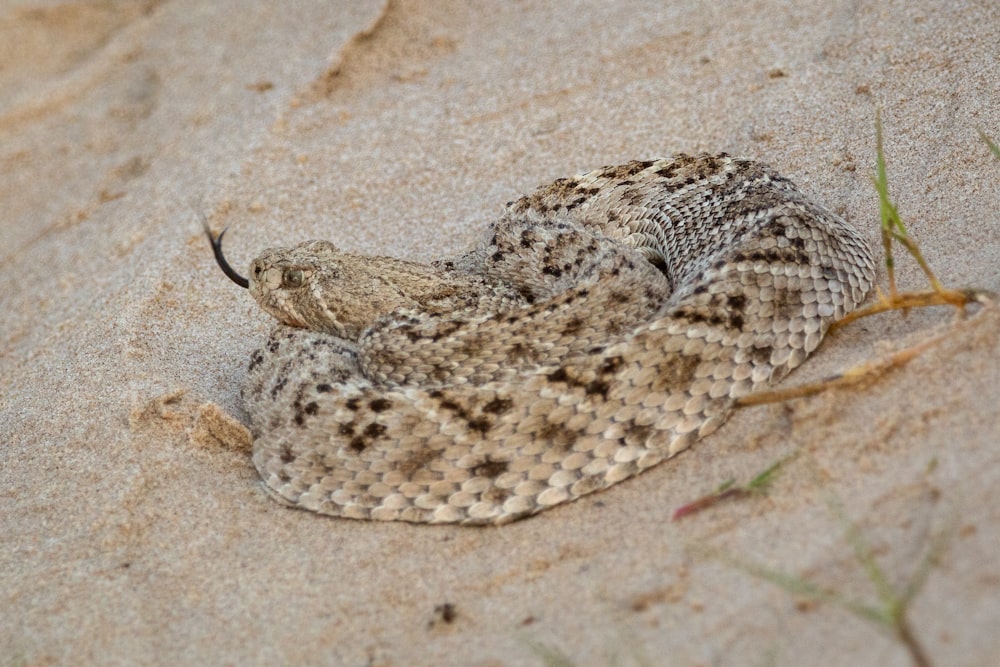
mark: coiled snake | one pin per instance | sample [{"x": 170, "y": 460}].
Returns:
[{"x": 603, "y": 324}]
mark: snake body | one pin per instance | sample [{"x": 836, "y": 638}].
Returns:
[{"x": 603, "y": 324}]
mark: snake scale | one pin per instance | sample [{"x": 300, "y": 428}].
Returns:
[{"x": 602, "y": 324}]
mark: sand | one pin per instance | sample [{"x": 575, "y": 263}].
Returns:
[{"x": 129, "y": 534}]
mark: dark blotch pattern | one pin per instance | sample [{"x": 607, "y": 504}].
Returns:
[
  {"x": 561, "y": 437},
  {"x": 490, "y": 468},
  {"x": 380, "y": 405},
  {"x": 498, "y": 406}
]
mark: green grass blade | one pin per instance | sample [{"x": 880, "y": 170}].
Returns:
[
  {"x": 892, "y": 222},
  {"x": 764, "y": 479},
  {"x": 992, "y": 144}
]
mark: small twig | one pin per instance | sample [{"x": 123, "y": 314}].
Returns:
[
  {"x": 890, "y": 609},
  {"x": 892, "y": 228},
  {"x": 910, "y": 642},
  {"x": 892, "y": 606},
  {"x": 729, "y": 490},
  {"x": 958, "y": 298},
  {"x": 856, "y": 374}
]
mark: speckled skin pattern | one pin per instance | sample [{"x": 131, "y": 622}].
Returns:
[{"x": 603, "y": 324}]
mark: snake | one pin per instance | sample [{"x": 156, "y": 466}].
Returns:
[{"x": 600, "y": 325}]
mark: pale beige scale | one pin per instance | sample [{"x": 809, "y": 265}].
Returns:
[{"x": 603, "y": 324}]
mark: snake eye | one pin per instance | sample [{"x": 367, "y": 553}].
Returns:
[{"x": 292, "y": 278}]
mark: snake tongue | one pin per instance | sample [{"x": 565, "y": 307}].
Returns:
[{"x": 221, "y": 259}]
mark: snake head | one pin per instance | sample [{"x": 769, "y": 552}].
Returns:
[
  {"x": 314, "y": 285},
  {"x": 298, "y": 286}
]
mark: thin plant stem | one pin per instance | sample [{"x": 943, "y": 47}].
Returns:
[{"x": 892, "y": 229}]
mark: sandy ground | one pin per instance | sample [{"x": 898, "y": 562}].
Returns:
[{"x": 401, "y": 128}]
